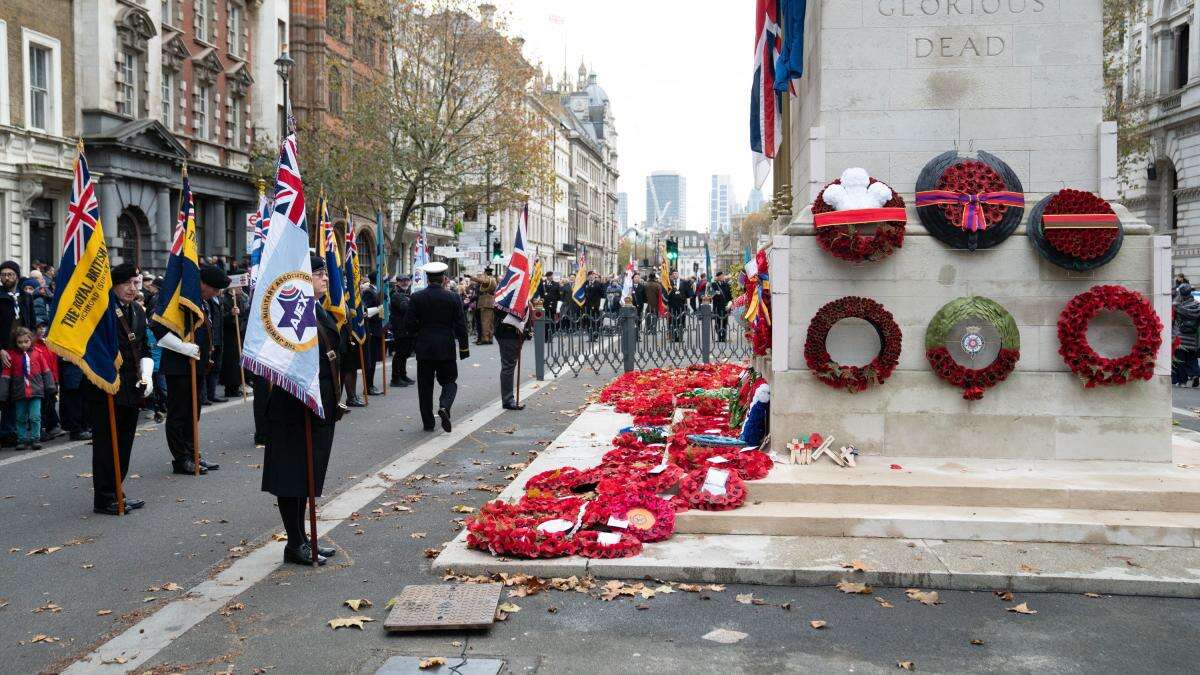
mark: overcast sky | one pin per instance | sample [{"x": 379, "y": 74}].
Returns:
[{"x": 678, "y": 73}]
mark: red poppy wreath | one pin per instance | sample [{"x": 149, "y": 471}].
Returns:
[
  {"x": 973, "y": 381},
  {"x": 1075, "y": 230},
  {"x": 710, "y": 489},
  {"x": 852, "y": 378},
  {"x": 642, "y": 514},
  {"x": 1093, "y": 369},
  {"x": 846, "y": 205}
]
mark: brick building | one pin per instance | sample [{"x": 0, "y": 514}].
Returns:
[{"x": 37, "y": 125}]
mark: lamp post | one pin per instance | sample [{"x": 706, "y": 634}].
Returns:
[{"x": 283, "y": 66}]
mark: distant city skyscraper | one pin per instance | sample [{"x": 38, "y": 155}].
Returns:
[
  {"x": 623, "y": 210},
  {"x": 666, "y": 200},
  {"x": 720, "y": 203},
  {"x": 755, "y": 201}
]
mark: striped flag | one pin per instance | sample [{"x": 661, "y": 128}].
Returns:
[
  {"x": 334, "y": 301},
  {"x": 179, "y": 304},
  {"x": 83, "y": 329},
  {"x": 579, "y": 289},
  {"x": 512, "y": 293},
  {"x": 766, "y": 124},
  {"x": 353, "y": 281}
]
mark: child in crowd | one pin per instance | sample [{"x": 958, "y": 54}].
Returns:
[
  {"x": 50, "y": 428},
  {"x": 23, "y": 382},
  {"x": 34, "y": 298}
]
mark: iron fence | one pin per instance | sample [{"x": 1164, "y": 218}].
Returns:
[{"x": 625, "y": 340}]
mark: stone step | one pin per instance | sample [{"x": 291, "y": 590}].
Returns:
[
  {"x": 1128, "y": 486},
  {"x": 987, "y": 523},
  {"x": 897, "y": 563}
]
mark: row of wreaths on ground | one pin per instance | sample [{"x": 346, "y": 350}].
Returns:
[
  {"x": 967, "y": 204},
  {"x": 1092, "y": 368}
]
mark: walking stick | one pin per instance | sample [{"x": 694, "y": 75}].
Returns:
[
  {"x": 237, "y": 335},
  {"x": 383, "y": 360},
  {"x": 195, "y": 419},
  {"x": 520, "y": 346},
  {"x": 312, "y": 482},
  {"x": 112, "y": 430},
  {"x": 363, "y": 365}
]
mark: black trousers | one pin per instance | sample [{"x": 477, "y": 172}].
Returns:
[
  {"x": 179, "y": 416},
  {"x": 104, "y": 481},
  {"x": 446, "y": 373},
  {"x": 213, "y": 377},
  {"x": 70, "y": 411},
  {"x": 261, "y": 387},
  {"x": 372, "y": 355},
  {"x": 510, "y": 351},
  {"x": 400, "y": 354}
]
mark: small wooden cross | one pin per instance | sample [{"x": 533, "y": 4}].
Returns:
[
  {"x": 848, "y": 453},
  {"x": 824, "y": 449},
  {"x": 795, "y": 448}
]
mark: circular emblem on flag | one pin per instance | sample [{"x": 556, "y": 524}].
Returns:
[
  {"x": 972, "y": 343},
  {"x": 287, "y": 312}
]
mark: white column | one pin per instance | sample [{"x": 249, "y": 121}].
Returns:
[{"x": 1194, "y": 46}]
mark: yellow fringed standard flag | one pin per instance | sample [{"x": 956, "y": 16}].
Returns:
[
  {"x": 84, "y": 327},
  {"x": 179, "y": 304}
]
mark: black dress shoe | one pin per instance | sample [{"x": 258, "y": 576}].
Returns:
[
  {"x": 355, "y": 402},
  {"x": 301, "y": 555},
  {"x": 373, "y": 391},
  {"x": 187, "y": 467},
  {"x": 81, "y": 436},
  {"x": 430, "y": 428},
  {"x": 445, "y": 416},
  {"x": 514, "y": 406},
  {"x": 406, "y": 380},
  {"x": 326, "y": 551},
  {"x": 109, "y": 509},
  {"x": 211, "y": 466},
  {"x": 218, "y": 399},
  {"x": 134, "y": 504},
  {"x": 395, "y": 383}
]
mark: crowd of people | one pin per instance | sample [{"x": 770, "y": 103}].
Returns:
[{"x": 1185, "y": 331}]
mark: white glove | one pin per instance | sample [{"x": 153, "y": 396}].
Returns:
[
  {"x": 147, "y": 368},
  {"x": 372, "y": 311},
  {"x": 189, "y": 349}
]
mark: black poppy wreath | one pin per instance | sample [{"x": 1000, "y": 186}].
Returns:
[
  {"x": 1075, "y": 230},
  {"x": 973, "y": 381},
  {"x": 968, "y": 203},
  {"x": 1083, "y": 360},
  {"x": 852, "y": 378},
  {"x": 838, "y": 231}
]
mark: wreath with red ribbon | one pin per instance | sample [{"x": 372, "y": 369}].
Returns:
[
  {"x": 969, "y": 203},
  {"x": 1075, "y": 230},
  {"x": 645, "y": 515},
  {"x": 852, "y": 378},
  {"x": 845, "y": 242},
  {"x": 1096, "y": 370},
  {"x": 973, "y": 381},
  {"x": 511, "y": 529},
  {"x": 693, "y": 494},
  {"x": 589, "y": 545}
]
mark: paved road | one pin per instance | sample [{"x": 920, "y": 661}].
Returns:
[{"x": 186, "y": 532}]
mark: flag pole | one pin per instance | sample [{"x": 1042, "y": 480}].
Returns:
[
  {"x": 312, "y": 481},
  {"x": 195, "y": 419},
  {"x": 520, "y": 346},
  {"x": 112, "y": 435},
  {"x": 384, "y": 298},
  {"x": 237, "y": 336}
]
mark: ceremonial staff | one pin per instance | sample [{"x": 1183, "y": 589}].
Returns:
[
  {"x": 195, "y": 396},
  {"x": 237, "y": 336},
  {"x": 312, "y": 482},
  {"x": 112, "y": 431},
  {"x": 384, "y": 298}
]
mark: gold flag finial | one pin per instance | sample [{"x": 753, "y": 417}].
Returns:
[{"x": 262, "y": 187}]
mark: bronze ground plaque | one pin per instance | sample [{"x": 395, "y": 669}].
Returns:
[{"x": 444, "y": 607}]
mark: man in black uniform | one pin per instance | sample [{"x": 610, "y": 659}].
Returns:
[
  {"x": 551, "y": 293},
  {"x": 509, "y": 338},
  {"x": 677, "y": 306},
  {"x": 137, "y": 382},
  {"x": 372, "y": 349},
  {"x": 722, "y": 294},
  {"x": 435, "y": 320},
  {"x": 175, "y": 366},
  {"x": 215, "y": 307},
  {"x": 285, "y": 465},
  {"x": 593, "y": 297},
  {"x": 403, "y": 343}
]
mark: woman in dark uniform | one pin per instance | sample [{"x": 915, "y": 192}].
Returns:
[{"x": 285, "y": 468}]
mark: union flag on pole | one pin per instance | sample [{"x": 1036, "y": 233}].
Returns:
[
  {"x": 512, "y": 293},
  {"x": 84, "y": 327},
  {"x": 766, "y": 123},
  {"x": 179, "y": 303}
]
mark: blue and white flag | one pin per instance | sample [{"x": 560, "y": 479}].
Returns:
[
  {"x": 262, "y": 224},
  {"x": 281, "y": 333},
  {"x": 420, "y": 259}
]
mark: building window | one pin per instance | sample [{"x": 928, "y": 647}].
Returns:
[
  {"x": 235, "y": 30},
  {"x": 233, "y": 123},
  {"x": 335, "y": 91},
  {"x": 1182, "y": 38},
  {"x": 200, "y": 111},
  {"x": 4, "y": 88},
  {"x": 39, "y": 104},
  {"x": 335, "y": 18},
  {"x": 167, "y": 15},
  {"x": 127, "y": 81},
  {"x": 201, "y": 20},
  {"x": 168, "y": 100}
]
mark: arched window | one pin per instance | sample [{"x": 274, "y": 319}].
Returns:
[
  {"x": 132, "y": 228},
  {"x": 366, "y": 251}
]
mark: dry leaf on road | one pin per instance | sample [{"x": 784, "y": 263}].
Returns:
[
  {"x": 103, "y": 612},
  {"x": 857, "y": 566},
  {"x": 977, "y": 642},
  {"x": 852, "y": 588},
  {"x": 1092, "y": 595},
  {"x": 509, "y": 607},
  {"x": 817, "y": 624},
  {"x": 425, "y": 664},
  {"x": 923, "y": 597},
  {"x": 44, "y": 550},
  {"x": 745, "y": 598},
  {"x": 906, "y": 665},
  {"x": 462, "y": 509},
  {"x": 883, "y": 603},
  {"x": 724, "y": 636},
  {"x": 1006, "y": 596},
  {"x": 357, "y": 603},
  {"x": 235, "y": 607},
  {"x": 349, "y": 622},
  {"x": 1022, "y": 608},
  {"x": 419, "y": 535}
]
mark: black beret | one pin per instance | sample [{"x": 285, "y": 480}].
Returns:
[
  {"x": 11, "y": 265},
  {"x": 317, "y": 262},
  {"x": 123, "y": 272},
  {"x": 214, "y": 277}
]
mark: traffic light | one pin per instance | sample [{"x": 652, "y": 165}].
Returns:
[
  {"x": 497, "y": 251},
  {"x": 672, "y": 250}
]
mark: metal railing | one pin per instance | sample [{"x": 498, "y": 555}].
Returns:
[{"x": 625, "y": 340}]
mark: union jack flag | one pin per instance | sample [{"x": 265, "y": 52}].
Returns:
[
  {"x": 766, "y": 125},
  {"x": 512, "y": 293},
  {"x": 187, "y": 212},
  {"x": 83, "y": 213},
  {"x": 289, "y": 191}
]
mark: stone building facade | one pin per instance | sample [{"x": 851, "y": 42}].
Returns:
[
  {"x": 161, "y": 83},
  {"x": 1162, "y": 52},
  {"x": 37, "y": 126}
]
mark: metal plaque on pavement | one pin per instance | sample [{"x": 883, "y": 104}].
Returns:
[{"x": 459, "y": 606}]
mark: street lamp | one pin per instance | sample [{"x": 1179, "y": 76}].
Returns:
[{"x": 283, "y": 66}]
